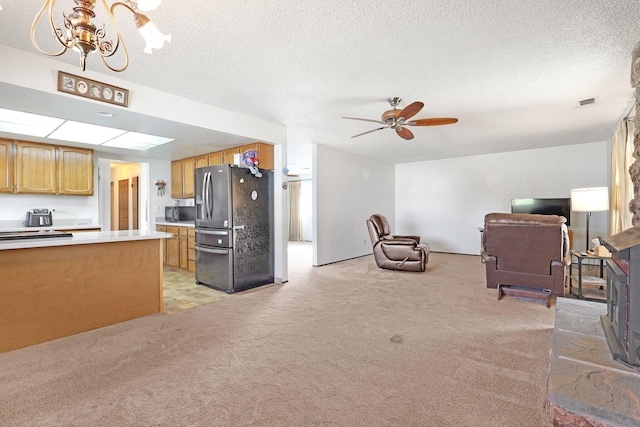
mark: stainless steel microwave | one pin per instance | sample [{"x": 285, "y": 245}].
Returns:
[{"x": 179, "y": 213}]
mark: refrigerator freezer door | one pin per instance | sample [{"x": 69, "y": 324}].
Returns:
[
  {"x": 214, "y": 267},
  {"x": 220, "y": 238}
]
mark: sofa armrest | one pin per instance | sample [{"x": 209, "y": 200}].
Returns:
[
  {"x": 416, "y": 238},
  {"x": 398, "y": 242}
]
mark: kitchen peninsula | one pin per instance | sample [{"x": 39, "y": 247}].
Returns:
[{"x": 61, "y": 286}]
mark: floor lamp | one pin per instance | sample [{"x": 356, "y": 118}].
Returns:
[{"x": 592, "y": 199}]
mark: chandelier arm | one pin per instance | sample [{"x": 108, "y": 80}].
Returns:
[
  {"x": 50, "y": 4},
  {"x": 107, "y": 49}
]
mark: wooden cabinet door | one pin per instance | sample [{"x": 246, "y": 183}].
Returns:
[
  {"x": 163, "y": 228},
  {"x": 202, "y": 161},
  {"x": 184, "y": 245},
  {"x": 75, "y": 171},
  {"x": 173, "y": 247},
  {"x": 216, "y": 158},
  {"x": 188, "y": 168},
  {"x": 264, "y": 151},
  {"x": 36, "y": 168},
  {"x": 6, "y": 166},
  {"x": 176, "y": 179},
  {"x": 228, "y": 155},
  {"x": 191, "y": 249}
]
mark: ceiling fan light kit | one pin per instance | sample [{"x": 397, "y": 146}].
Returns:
[
  {"x": 397, "y": 119},
  {"x": 83, "y": 36}
]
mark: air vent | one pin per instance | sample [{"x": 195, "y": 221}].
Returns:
[{"x": 587, "y": 101}]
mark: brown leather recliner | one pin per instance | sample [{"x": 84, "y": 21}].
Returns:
[
  {"x": 404, "y": 253},
  {"x": 526, "y": 250}
]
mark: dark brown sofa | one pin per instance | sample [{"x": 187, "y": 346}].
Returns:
[
  {"x": 526, "y": 250},
  {"x": 394, "y": 252}
]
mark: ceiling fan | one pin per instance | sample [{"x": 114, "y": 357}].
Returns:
[{"x": 398, "y": 119}]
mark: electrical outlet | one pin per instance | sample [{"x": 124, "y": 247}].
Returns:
[{"x": 156, "y": 209}]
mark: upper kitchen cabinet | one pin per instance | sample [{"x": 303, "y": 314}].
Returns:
[
  {"x": 35, "y": 168},
  {"x": 182, "y": 184},
  {"x": 202, "y": 161},
  {"x": 75, "y": 171},
  {"x": 216, "y": 158},
  {"x": 264, "y": 151},
  {"x": 229, "y": 153},
  {"x": 6, "y": 166}
]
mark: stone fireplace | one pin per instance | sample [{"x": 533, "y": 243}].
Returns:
[{"x": 621, "y": 324}]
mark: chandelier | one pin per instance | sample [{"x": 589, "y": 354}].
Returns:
[{"x": 82, "y": 35}]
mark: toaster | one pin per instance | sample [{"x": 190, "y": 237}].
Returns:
[{"x": 38, "y": 218}]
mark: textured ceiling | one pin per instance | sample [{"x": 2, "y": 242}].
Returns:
[{"x": 512, "y": 72}]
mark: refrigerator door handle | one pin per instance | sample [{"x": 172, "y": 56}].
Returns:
[
  {"x": 215, "y": 233},
  {"x": 204, "y": 196},
  {"x": 213, "y": 251},
  {"x": 207, "y": 200}
]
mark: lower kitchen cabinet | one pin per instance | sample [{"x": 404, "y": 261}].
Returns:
[
  {"x": 163, "y": 228},
  {"x": 180, "y": 250},
  {"x": 191, "y": 249},
  {"x": 182, "y": 237},
  {"x": 173, "y": 247}
]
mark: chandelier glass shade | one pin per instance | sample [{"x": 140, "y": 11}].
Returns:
[{"x": 82, "y": 35}]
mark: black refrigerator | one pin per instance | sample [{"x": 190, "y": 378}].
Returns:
[{"x": 234, "y": 228}]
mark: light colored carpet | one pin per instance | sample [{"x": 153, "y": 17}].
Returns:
[{"x": 346, "y": 344}]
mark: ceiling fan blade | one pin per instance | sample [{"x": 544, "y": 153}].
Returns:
[
  {"x": 369, "y": 131},
  {"x": 364, "y": 120},
  {"x": 432, "y": 122},
  {"x": 404, "y": 133},
  {"x": 411, "y": 110}
]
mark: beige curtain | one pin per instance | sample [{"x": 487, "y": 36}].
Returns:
[
  {"x": 295, "y": 221},
  {"x": 621, "y": 185}
]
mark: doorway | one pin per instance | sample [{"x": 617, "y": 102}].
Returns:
[{"x": 126, "y": 198}]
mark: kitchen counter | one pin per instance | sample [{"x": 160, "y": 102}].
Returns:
[
  {"x": 54, "y": 228},
  {"x": 85, "y": 238},
  {"x": 56, "y": 287},
  {"x": 189, "y": 224}
]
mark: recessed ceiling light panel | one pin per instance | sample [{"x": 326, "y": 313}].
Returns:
[
  {"x": 85, "y": 133},
  {"x": 135, "y": 139},
  {"x": 27, "y": 124}
]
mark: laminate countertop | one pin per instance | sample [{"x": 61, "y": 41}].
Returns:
[
  {"x": 189, "y": 224},
  {"x": 52, "y": 228},
  {"x": 84, "y": 238}
]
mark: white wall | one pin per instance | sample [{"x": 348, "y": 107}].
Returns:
[
  {"x": 347, "y": 190},
  {"x": 445, "y": 201},
  {"x": 13, "y": 207}
]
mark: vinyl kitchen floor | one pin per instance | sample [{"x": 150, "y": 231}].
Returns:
[{"x": 182, "y": 293}]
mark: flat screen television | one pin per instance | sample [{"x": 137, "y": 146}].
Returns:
[{"x": 560, "y": 207}]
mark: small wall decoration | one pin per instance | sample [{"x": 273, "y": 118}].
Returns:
[
  {"x": 87, "y": 88},
  {"x": 161, "y": 185}
]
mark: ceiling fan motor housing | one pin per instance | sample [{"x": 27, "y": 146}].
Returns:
[{"x": 390, "y": 115}]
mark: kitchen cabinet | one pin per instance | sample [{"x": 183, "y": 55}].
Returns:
[
  {"x": 191, "y": 249},
  {"x": 184, "y": 256},
  {"x": 75, "y": 171},
  {"x": 180, "y": 250},
  {"x": 36, "y": 170},
  {"x": 229, "y": 153},
  {"x": 264, "y": 151},
  {"x": 6, "y": 165},
  {"x": 202, "y": 161},
  {"x": 182, "y": 178},
  {"x": 173, "y": 247},
  {"x": 216, "y": 158},
  {"x": 163, "y": 243}
]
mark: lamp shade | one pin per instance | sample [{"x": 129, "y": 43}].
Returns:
[{"x": 591, "y": 199}]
